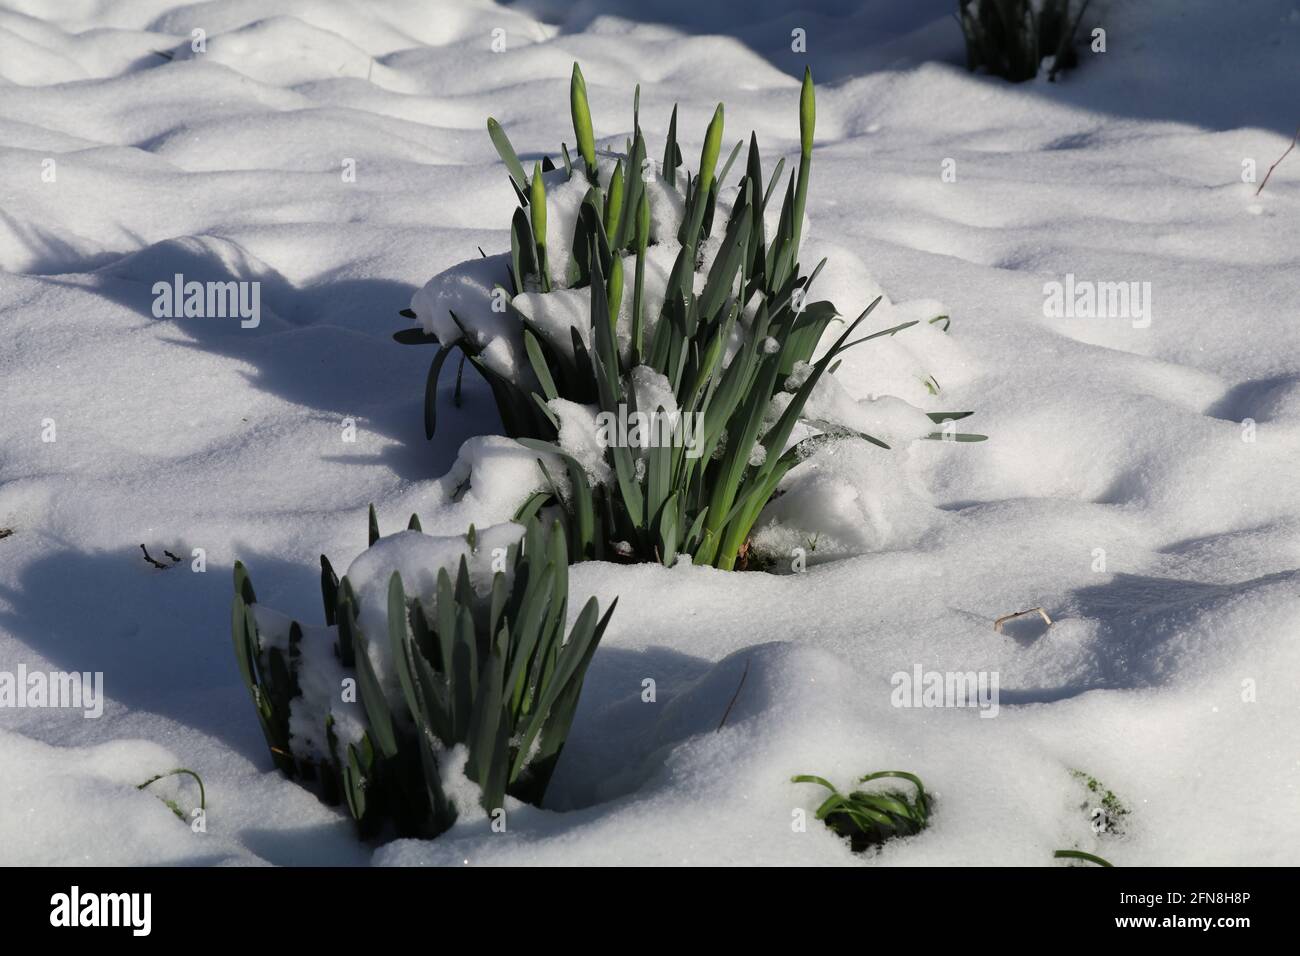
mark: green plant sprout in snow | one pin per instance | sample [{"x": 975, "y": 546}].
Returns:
[
  {"x": 465, "y": 676},
  {"x": 173, "y": 805},
  {"x": 1105, "y": 811},
  {"x": 1080, "y": 855},
  {"x": 642, "y": 291},
  {"x": 870, "y": 817}
]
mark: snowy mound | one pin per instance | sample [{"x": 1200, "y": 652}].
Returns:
[{"x": 1139, "y": 484}]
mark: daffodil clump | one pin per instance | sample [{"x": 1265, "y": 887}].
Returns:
[
  {"x": 640, "y": 293},
  {"x": 1013, "y": 38},
  {"x": 444, "y": 667}
]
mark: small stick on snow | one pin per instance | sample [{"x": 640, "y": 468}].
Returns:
[
  {"x": 997, "y": 625},
  {"x": 1279, "y": 160},
  {"x": 727, "y": 712},
  {"x": 156, "y": 564}
]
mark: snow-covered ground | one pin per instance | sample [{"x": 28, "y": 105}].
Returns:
[{"x": 1141, "y": 482}]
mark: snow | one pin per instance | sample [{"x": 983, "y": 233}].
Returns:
[
  {"x": 579, "y": 436},
  {"x": 417, "y": 558},
  {"x": 320, "y": 677},
  {"x": 1139, "y": 481}
]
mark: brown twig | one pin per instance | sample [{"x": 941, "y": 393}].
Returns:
[
  {"x": 997, "y": 625},
  {"x": 727, "y": 712},
  {"x": 1279, "y": 160},
  {"x": 149, "y": 558}
]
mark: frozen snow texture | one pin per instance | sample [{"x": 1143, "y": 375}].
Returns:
[
  {"x": 417, "y": 558},
  {"x": 651, "y": 390},
  {"x": 498, "y": 473},
  {"x": 579, "y": 437}
]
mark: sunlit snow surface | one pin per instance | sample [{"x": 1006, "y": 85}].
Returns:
[{"x": 1171, "y": 675}]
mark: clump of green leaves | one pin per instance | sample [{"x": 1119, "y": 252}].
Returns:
[
  {"x": 497, "y": 674},
  {"x": 1010, "y": 38},
  {"x": 614, "y": 222},
  {"x": 868, "y": 818},
  {"x": 671, "y": 502},
  {"x": 737, "y": 355}
]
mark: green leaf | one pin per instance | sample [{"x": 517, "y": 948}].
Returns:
[
  {"x": 528, "y": 631},
  {"x": 807, "y": 113},
  {"x": 245, "y": 643},
  {"x": 659, "y": 476},
  {"x": 606, "y": 354},
  {"x": 463, "y": 674},
  {"x": 507, "y": 153},
  {"x": 956, "y": 437},
  {"x": 638, "y": 294},
  {"x": 329, "y": 589},
  {"x": 614, "y": 202},
  {"x": 354, "y": 785},
  {"x": 581, "y": 113},
  {"x": 882, "y": 332},
  {"x": 1080, "y": 855},
  {"x": 537, "y": 211},
  {"x": 721, "y": 178},
  {"x": 633, "y": 194},
  {"x": 485, "y": 719},
  {"x": 671, "y": 161},
  {"x": 374, "y": 703},
  {"x": 397, "y": 639},
  {"x": 523, "y": 250},
  {"x": 532, "y": 505},
  {"x": 431, "y": 392},
  {"x": 497, "y": 602},
  {"x": 244, "y": 584},
  {"x": 614, "y": 293},
  {"x": 444, "y": 621},
  {"x": 346, "y": 620},
  {"x": 710, "y": 151},
  {"x": 668, "y": 531}
]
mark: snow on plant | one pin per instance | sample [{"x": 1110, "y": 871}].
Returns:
[
  {"x": 1011, "y": 38},
  {"x": 870, "y": 817},
  {"x": 635, "y": 290},
  {"x": 426, "y": 690},
  {"x": 521, "y": 318}
]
